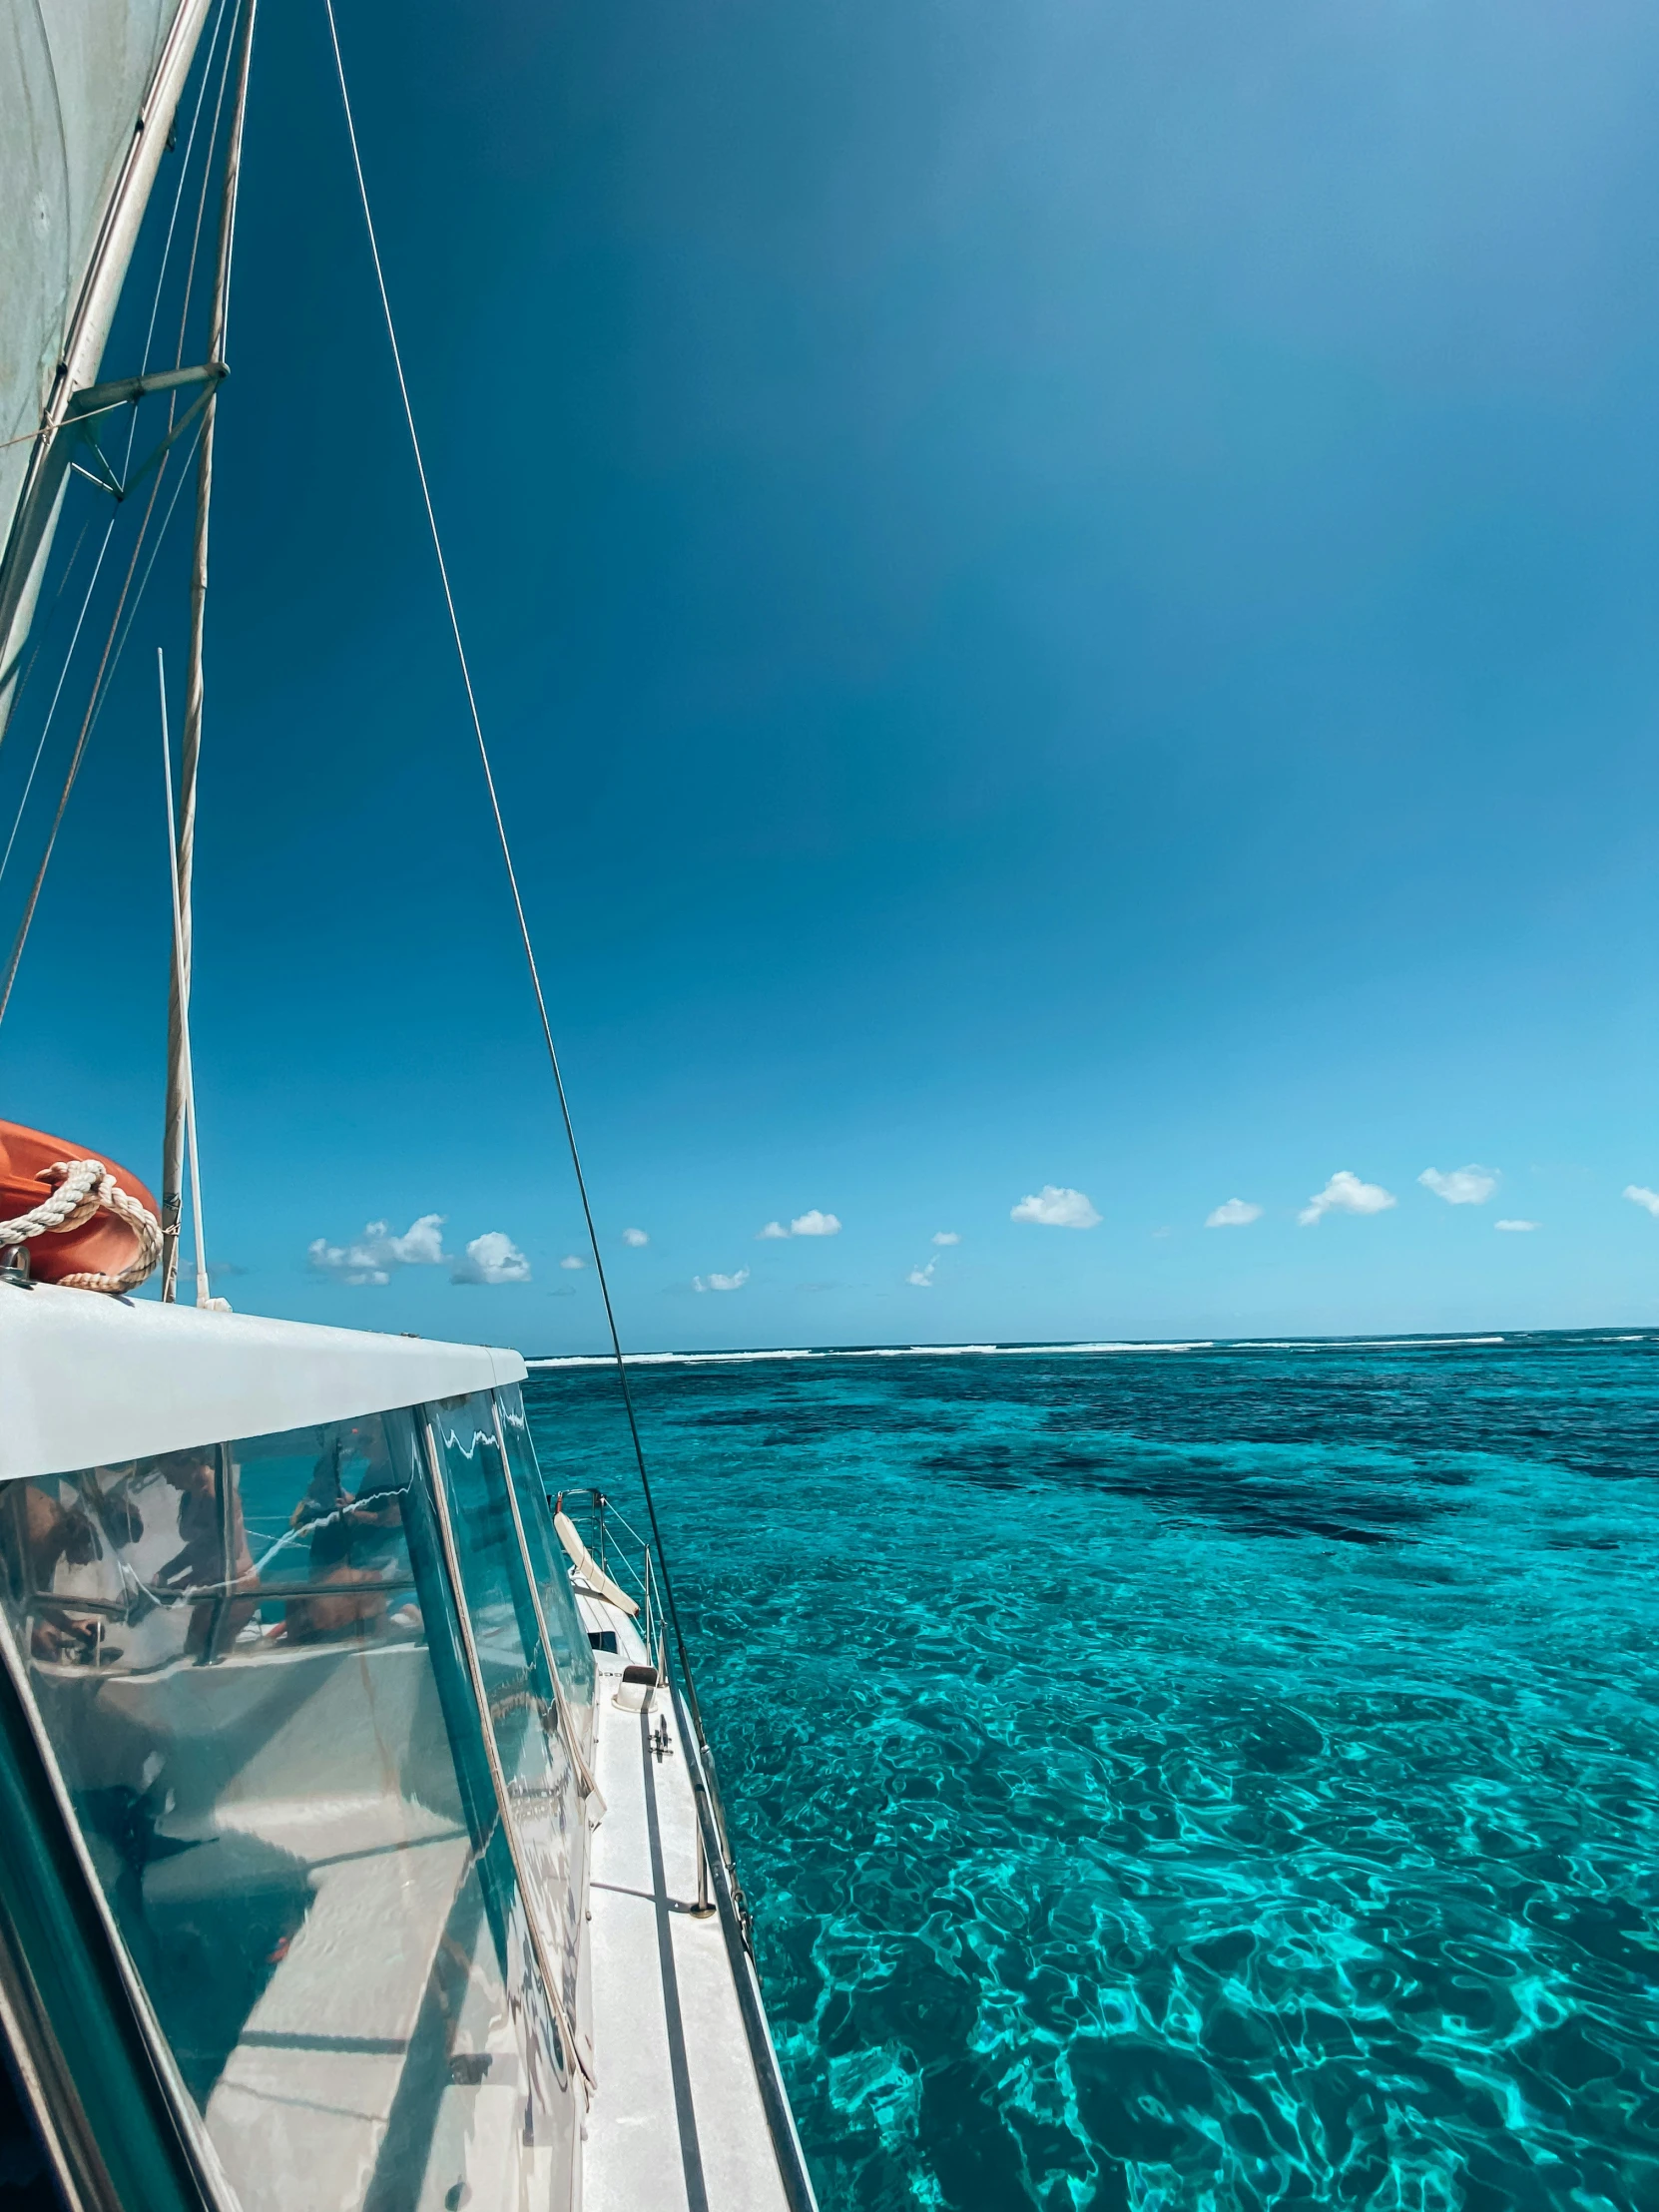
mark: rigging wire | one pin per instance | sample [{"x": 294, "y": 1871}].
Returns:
[
  {"x": 174, "y": 1130},
  {"x": 63, "y": 678},
  {"x": 144, "y": 580},
  {"x": 225, "y": 8},
  {"x": 203, "y": 1294},
  {"x": 44, "y": 623},
  {"x": 202, "y": 202},
  {"x": 512, "y": 884},
  {"x": 110, "y": 661},
  {"x": 28, "y": 437}
]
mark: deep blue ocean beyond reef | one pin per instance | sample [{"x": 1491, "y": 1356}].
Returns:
[{"x": 1184, "y": 1780}]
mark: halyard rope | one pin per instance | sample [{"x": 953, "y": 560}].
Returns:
[{"x": 85, "y": 1187}]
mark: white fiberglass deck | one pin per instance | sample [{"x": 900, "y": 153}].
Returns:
[{"x": 676, "y": 2124}]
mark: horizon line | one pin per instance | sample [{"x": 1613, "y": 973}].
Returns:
[{"x": 1428, "y": 1340}]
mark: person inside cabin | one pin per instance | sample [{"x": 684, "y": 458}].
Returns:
[
  {"x": 207, "y": 1567},
  {"x": 357, "y": 1542},
  {"x": 41, "y": 1534},
  {"x": 107, "y": 1494}
]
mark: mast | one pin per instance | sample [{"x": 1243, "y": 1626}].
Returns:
[{"x": 178, "y": 997}]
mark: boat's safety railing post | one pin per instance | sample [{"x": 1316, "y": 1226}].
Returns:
[
  {"x": 713, "y": 1858},
  {"x": 626, "y": 1559},
  {"x": 633, "y": 1561},
  {"x": 629, "y": 1559},
  {"x": 704, "y": 1905}
]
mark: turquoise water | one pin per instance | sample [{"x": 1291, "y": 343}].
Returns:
[{"x": 1184, "y": 1780}]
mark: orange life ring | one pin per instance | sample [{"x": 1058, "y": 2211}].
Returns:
[{"x": 104, "y": 1246}]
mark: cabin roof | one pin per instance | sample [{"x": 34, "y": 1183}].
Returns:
[{"x": 86, "y": 1381}]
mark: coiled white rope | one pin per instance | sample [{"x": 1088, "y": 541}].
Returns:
[{"x": 85, "y": 1187}]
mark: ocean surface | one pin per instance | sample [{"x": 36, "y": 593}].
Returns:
[{"x": 1193, "y": 1779}]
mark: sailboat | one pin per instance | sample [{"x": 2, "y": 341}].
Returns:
[{"x": 361, "y": 1849}]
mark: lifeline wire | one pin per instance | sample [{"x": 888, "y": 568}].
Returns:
[{"x": 512, "y": 874}]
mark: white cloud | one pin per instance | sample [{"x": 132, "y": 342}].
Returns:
[
  {"x": 421, "y": 1243},
  {"x": 722, "y": 1282},
  {"x": 1346, "y": 1194},
  {"x": 1470, "y": 1186},
  {"x": 1514, "y": 1225},
  {"x": 1056, "y": 1208},
  {"x": 809, "y": 1224},
  {"x": 1237, "y": 1213},
  {"x": 634, "y": 1237},
  {"x": 349, "y": 1263},
  {"x": 1639, "y": 1195},
  {"x": 922, "y": 1278},
  {"x": 573, "y": 1260},
  {"x": 371, "y": 1257},
  {"x": 492, "y": 1258},
  {"x": 946, "y": 1236}
]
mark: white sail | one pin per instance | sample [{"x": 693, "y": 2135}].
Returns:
[{"x": 88, "y": 89}]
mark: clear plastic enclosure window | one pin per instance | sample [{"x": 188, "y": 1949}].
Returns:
[
  {"x": 250, "y": 1666},
  {"x": 501, "y": 1604},
  {"x": 571, "y": 1649}
]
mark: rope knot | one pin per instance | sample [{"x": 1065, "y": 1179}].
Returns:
[{"x": 79, "y": 1190}]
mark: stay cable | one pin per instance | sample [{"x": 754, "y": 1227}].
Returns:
[{"x": 512, "y": 873}]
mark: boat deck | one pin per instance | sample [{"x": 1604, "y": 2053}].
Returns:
[{"x": 677, "y": 2122}]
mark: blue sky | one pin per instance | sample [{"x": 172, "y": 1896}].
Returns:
[{"x": 1065, "y": 597}]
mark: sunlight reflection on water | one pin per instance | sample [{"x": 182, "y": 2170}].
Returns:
[{"x": 1185, "y": 1783}]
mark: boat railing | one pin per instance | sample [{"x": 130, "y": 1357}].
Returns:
[
  {"x": 628, "y": 1558},
  {"x": 623, "y": 1555}
]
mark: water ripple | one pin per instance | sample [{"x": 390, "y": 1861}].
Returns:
[{"x": 1196, "y": 1784}]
